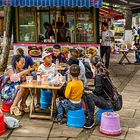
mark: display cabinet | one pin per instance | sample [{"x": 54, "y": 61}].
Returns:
[{"x": 27, "y": 28}]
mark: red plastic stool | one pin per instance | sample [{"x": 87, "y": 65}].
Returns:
[
  {"x": 6, "y": 107},
  {"x": 2, "y": 124}
]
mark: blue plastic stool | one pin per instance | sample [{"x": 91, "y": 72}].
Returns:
[
  {"x": 76, "y": 118},
  {"x": 45, "y": 99},
  {"x": 100, "y": 111}
]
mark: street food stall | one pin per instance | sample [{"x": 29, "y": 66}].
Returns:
[{"x": 39, "y": 24}]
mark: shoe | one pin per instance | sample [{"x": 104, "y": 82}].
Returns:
[
  {"x": 37, "y": 107},
  {"x": 24, "y": 107},
  {"x": 59, "y": 121},
  {"x": 89, "y": 125},
  {"x": 14, "y": 110}
]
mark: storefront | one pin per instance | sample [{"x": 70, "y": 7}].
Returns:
[{"x": 44, "y": 23}]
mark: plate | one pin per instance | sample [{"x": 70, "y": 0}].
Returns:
[
  {"x": 91, "y": 51},
  {"x": 34, "y": 53}
]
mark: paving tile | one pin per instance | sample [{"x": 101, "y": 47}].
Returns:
[
  {"x": 129, "y": 113},
  {"x": 129, "y": 122},
  {"x": 130, "y": 105},
  {"x": 121, "y": 137},
  {"x": 135, "y": 81},
  {"x": 64, "y": 131},
  {"x": 134, "y": 85},
  {"x": 27, "y": 130},
  {"x": 132, "y": 137},
  {"x": 137, "y": 114},
  {"x": 130, "y": 92},
  {"x": 26, "y": 138},
  {"x": 58, "y": 138},
  {"x": 133, "y": 133},
  {"x": 6, "y": 134},
  {"x": 92, "y": 137},
  {"x": 134, "y": 88},
  {"x": 36, "y": 122},
  {"x": 131, "y": 98}
]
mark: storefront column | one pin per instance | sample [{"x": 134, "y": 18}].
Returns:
[{"x": 128, "y": 28}]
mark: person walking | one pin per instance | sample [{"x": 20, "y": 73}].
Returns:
[{"x": 107, "y": 37}]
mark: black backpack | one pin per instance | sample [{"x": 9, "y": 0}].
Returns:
[{"x": 88, "y": 71}]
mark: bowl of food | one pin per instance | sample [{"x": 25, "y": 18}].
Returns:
[
  {"x": 34, "y": 53},
  {"x": 91, "y": 51}
]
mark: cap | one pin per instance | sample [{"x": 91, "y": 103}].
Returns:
[{"x": 46, "y": 53}]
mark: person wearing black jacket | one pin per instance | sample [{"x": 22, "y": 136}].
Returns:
[{"x": 102, "y": 93}]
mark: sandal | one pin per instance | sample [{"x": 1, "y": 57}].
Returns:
[
  {"x": 14, "y": 110},
  {"x": 24, "y": 107}
]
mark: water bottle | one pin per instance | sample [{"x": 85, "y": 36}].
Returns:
[
  {"x": 39, "y": 77},
  {"x": 57, "y": 63}
]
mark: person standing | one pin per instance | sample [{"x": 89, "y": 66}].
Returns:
[
  {"x": 49, "y": 31},
  {"x": 107, "y": 37},
  {"x": 135, "y": 33}
]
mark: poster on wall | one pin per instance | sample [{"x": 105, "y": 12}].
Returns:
[
  {"x": 35, "y": 50},
  {"x": 17, "y": 48}
]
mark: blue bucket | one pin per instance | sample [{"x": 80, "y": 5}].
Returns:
[
  {"x": 76, "y": 118},
  {"x": 100, "y": 111},
  {"x": 45, "y": 99}
]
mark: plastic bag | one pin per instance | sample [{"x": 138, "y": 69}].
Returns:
[
  {"x": 11, "y": 122},
  {"x": 55, "y": 81}
]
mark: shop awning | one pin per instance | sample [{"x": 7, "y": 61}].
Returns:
[
  {"x": 52, "y": 3},
  {"x": 110, "y": 13}
]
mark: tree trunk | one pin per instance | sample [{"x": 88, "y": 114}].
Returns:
[
  {"x": 128, "y": 20},
  {"x": 8, "y": 34},
  {"x": 128, "y": 29}
]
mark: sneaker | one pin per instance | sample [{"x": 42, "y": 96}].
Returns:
[{"x": 89, "y": 125}]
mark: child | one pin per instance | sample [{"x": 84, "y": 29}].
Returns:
[{"x": 73, "y": 94}]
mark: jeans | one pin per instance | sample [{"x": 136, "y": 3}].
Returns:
[
  {"x": 90, "y": 107},
  {"x": 105, "y": 50},
  {"x": 66, "y": 105},
  {"x": 91, "y": 100}
]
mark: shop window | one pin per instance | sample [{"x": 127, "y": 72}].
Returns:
[
  {"x": 84, "y": 27},
  {"x": 27, "y": 24},
  {"x": 46, "y": 26},
  {"x": 65, "y": 26}
]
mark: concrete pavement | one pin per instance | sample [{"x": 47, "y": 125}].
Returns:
[{"x": 126, "y": 78}]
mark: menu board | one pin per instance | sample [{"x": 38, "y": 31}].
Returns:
[{"x": 35, "y": 50}]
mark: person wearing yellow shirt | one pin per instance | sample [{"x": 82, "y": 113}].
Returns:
[{"x": 73, "y": 93}]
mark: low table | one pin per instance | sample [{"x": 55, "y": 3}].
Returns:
[{"x": 35, "y": 85}]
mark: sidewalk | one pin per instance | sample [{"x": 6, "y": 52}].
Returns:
[{"x": 126, "y": 78}]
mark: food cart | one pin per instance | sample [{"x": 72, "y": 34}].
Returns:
[{"x": 76, "y": 21}]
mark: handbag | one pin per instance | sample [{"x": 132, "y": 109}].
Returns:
[{"x": 117, "y": 98}]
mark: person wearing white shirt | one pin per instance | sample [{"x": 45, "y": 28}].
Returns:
[
  {"x": 46, "y": 68},
  {"x": 107, "y": 37}
]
